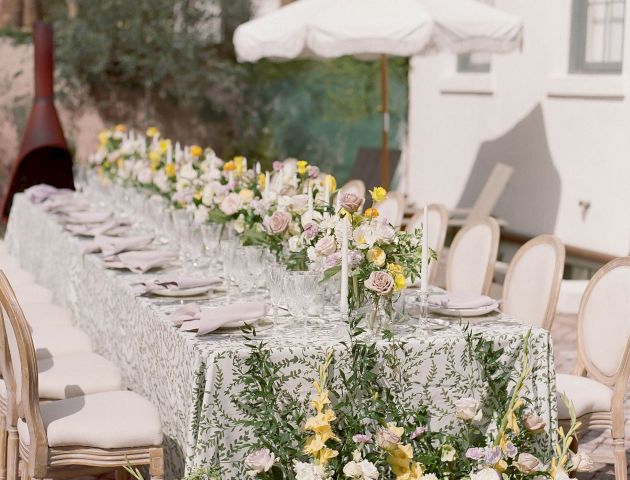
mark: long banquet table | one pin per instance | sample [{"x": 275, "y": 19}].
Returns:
[{"x": 194, "y": 380}]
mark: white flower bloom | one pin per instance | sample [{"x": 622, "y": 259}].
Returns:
[
  {"x": 363, "y": 470},
  {"x": 560, "y": 475},
  {"x": 582, "y": 462},
  {"x": 231, "y": 204},
  {"x": 145, "y": 175},
  {"x": 260, "y": 461},
  {"x": 485, "y": 474},
  {"x": 188, "y": 172},
  {"x": 160, "y": 180},
  {"x": 182, "y": 184},
  {"x": 308, "y": 471},
  {"x": 207, "y": 196},
  {"x": 239, "y": 224},
  {"x": 467, "y": 409},
  {"x": 296, "y": 243},
  {"x": 429, "y": 476}
]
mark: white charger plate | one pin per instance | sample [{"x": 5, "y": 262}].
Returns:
[
  {"x": 464, "y": 312},
  {"x": 189, "y": 292}
]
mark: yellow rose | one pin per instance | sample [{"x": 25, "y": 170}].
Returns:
[
  {"x": 164, "y": 145},
  {"x": 262, "y": 179},
  {"x": 170, "y": 169},
  {"x": 246, "y": 195},
  {"x": 378, "y": 194},
  {"x": 370, "y": 213},
  {"x": 229, "y": 166},
  {"x": 400, "y": 282},
  {"x": 197, "y": 196},
  {"x": 331, "y": 182},
  {"x": 376, "y": 255},
  {"x": 394, "y": 269},
  {"x": 239, "y": 164},
  {"x": 196, "y": 151},
  {"x": 103, "y": 137},
  {"x": 301, "y": 166},
  {"x": 152, "y": 132},
  {"x": 120, "y": 128}
]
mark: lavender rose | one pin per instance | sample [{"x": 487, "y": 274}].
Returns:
[
  {"x": 534, "y": 424},
  {"x": 476, "y": 453},
  {"x": 417, "y": 432},
  {"x": 311, "y": 230},
  {"x": 326, "y": 246},
  {"x": 362, "y": 438},
  {"x": 380, "y": 283},
  {"x": 277, "y": 223},
  {"x": 350, "y": 201}
]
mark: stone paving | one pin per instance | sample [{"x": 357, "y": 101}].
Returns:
[{"x": 598, "y": 444}]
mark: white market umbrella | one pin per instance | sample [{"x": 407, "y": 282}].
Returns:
[{"x": 377, "y": 28}]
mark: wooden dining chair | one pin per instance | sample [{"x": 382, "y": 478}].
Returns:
[
  {"x": 355, "y": 186},
  {"x": 532, "y": 282},
  {"x": 77, "y": 436},
  {"x": 392, "y": 208},
  {"x": 438, "y": 224},
  {"x": 597, "y": 385},
  {"x": 471, "y": 257}
]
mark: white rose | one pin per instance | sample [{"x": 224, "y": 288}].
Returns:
[
  {"x": 485, "y": 474},
  {"x": 144, "y": 175},
  {"x": 207, "y": 195},
  {"x": 363, "y": 470},
  {"x": 161, "y": 181},
  {"x": 188, "y": 172},
  {"x": 429, "y": 476},
  {"x": 246, "y": 195},
  {"x": 231, "y": 204},
  {"x": 285, "y": 202},
  {"x": 307, "y": 471},
  {"x": 527, "y": 463},
  {"x": 200, "y": 214},
  {"x": 299, "y": 203},
  {"x": 467, "y": 409},
  {"x": 296, "y": 243},
  {"x": 182, "y": 184},
  {"x": 326, "y": 246},
  {"x": 260, "y": 460}
]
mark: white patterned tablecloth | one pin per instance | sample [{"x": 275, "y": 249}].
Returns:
[{"x": 194, "y": 381}]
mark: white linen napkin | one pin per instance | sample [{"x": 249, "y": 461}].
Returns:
[
  {"x": 212, "y": 318},
  {"x": 185, "y": 313},
  {"x": 174, "y": 284},
  {"x": 65, "y": 204},
  {"x": 41, "y": 192},
  {"x": 111, "y": 227},
  {"x": 141, "y": 261},
  {"x": 461, "y": 300},
  {"x": 112, "y": 245},
  {"x": 88, "y": 217}
]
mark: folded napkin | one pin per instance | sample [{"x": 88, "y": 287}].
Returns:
[
  {"x": 211, "y": 318},
  {"x": 185, "y": 313},
  {"x": 41, "y": 192},
  {"x": 112, "y": 245},
  {"x": 140, "y": 261},
  {"x": 111, "y": 227},
  {"x": 65, "y": 204},
  {"x": 88, "y": 217},
  {"x": 174, "y": 284},
  {"x": 461, "y": 300}
]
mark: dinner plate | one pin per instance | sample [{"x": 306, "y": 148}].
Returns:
[
  {"x": 464, "y": 312},
  {"x": 189, "y": 292}
]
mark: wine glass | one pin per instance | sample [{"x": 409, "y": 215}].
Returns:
[
  {"x": 211, "y": 237},
  {"x": 275, "y": 281},
  {"x": 228, "y": 253},
  {"x": 256, "y": 262}
]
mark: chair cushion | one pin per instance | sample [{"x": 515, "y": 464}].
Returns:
[
  {"x": 68, "y": 376},
  {"x": 587, "y": 395},
  {"x": 51, "y": 341},
  {"x": 40, "y": 314},
  {"x": 103, "y": 420},
  {"x": 17, "y": 276},
  {"x": 31, "y": 292}
]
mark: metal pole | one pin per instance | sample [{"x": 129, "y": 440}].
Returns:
[{"x": 385, "y": 133}]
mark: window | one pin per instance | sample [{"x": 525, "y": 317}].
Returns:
[
  {"x": 478, "y": 62},
  {"x": 597, "y": 36}
]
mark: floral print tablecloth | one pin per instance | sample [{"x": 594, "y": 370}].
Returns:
[{"x": 194, "y": 381}]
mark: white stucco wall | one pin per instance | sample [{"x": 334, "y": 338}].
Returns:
[{"x": 568, "y": 137}]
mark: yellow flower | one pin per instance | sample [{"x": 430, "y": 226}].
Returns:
[
  {"x": 229, "y": 166},
  {"x": 318, "y": 403},
  {"x": 501, "y": 466},
  {"x": 301, "y": 166},
  {"x": 103, "y": 137},
  {"x": 120, "y": 162},
  {"x": 164, "y": 145},
  {"x": 376, "y": 255},
  {"x": 155, "y": 156},
  {"x": 313, "y": 445},
  {"x": 394, "y": 269},
  {"x": 400, "y": 282},
  {"x": 331, "y": 182},
  {"x": 170, "y": 169},
  {"x": 246, "y": 195},
  {"x": 120, "y": 128},
  {"x": 370, "y": 213},
  {"x": 378, "y": 194},
  {"x": 239, "y": 164},
  {"x": 196, "y": 151},
  {"x": 198, "y": 196},
  {"x": 152, "y": 132},
  {"x": 261, "y": 180},
  {"x": 326, "y": 454}
]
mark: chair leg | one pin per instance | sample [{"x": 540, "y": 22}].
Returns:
[
  {"x": 12, "y": 453},
  {"x": 3, "y": 447},
  {"x": 156, "y": 467},
  {"x": 619, "y": 451}
]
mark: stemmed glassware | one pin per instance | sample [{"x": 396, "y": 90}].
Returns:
[
  {"x": 275, "y": 283},
  {"x": 228, "y": 259},
  {"x": 211, "y": 238},
  {"x": 301, "y": 289},
  {"x": 160, "y": 216}
]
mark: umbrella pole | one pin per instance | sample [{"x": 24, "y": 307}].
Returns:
[{"x": 385, "y": 133}]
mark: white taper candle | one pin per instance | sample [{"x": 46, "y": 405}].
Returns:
[
  {"x": 424, "y": 282},
  {"x": 343, "y": 301}
]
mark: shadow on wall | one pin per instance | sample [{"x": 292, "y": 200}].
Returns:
[{"x": 531, "y": 200}]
